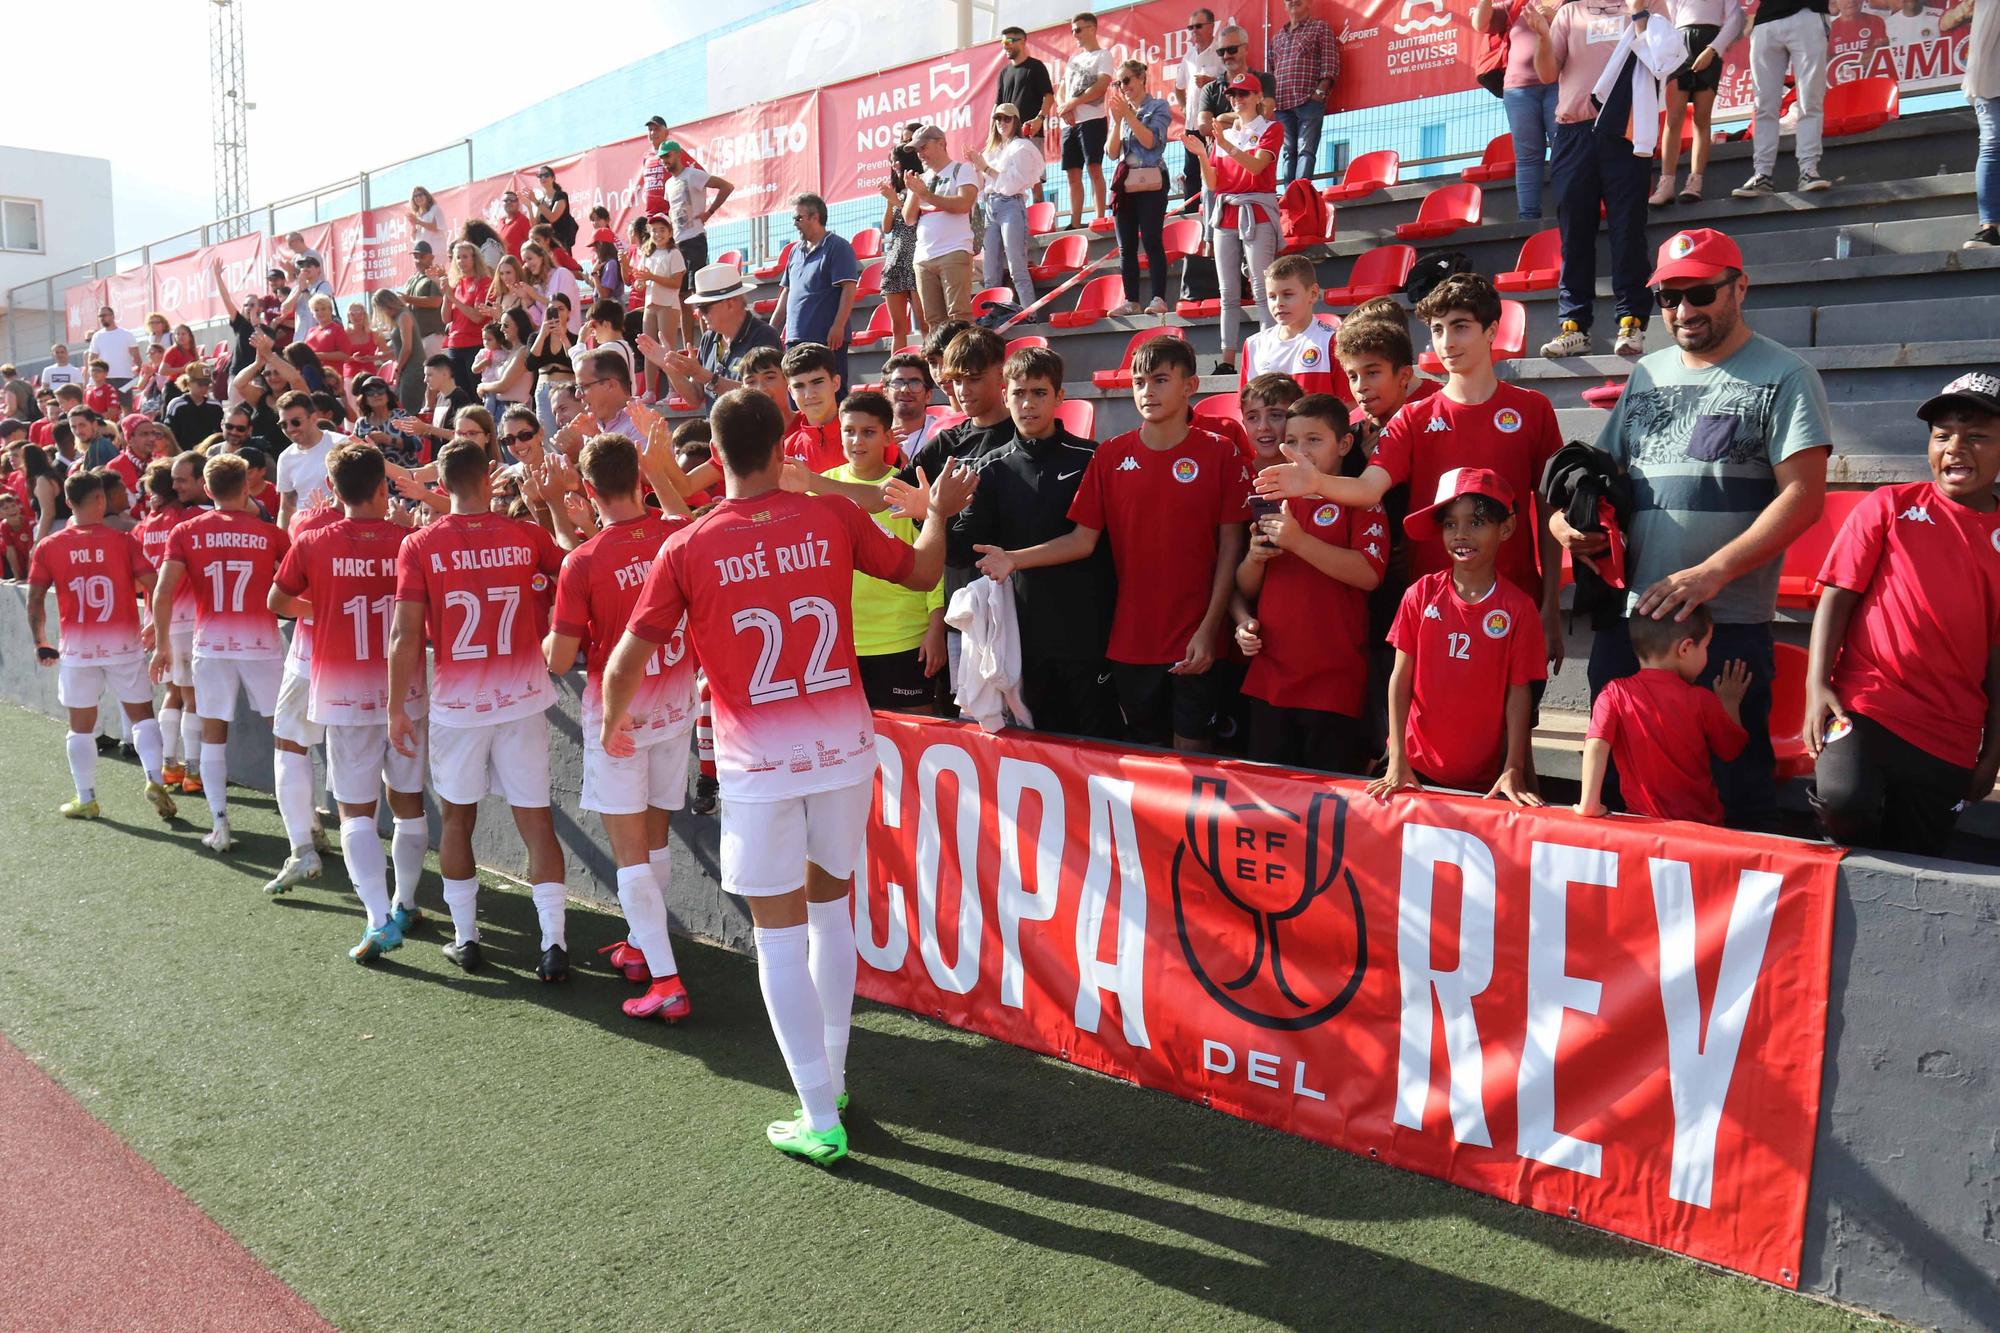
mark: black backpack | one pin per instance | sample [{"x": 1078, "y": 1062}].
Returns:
[{"x": 1431, "y": 270}]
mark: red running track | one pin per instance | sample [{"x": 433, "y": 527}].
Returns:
[{"x": 91, "y": 1236}]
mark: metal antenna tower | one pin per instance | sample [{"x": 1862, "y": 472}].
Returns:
[{"x": 226, "y": 108}]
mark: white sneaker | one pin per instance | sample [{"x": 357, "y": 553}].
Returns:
[
  {"x": 217, "y": 839},
  {"x": 1631, "y": 338},
  {"x": 1757, "y": 187},
  {"x": 1569, "y": 341},
  {"x": 298, "y": 868}
]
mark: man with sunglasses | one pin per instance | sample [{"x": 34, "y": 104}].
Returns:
[
  {"x": 1726, "y": 437},
  {"x": 302, "y": 466},
  {"x": 1025, "y": 84},
  {"x": 1232, "y": 48},
  {"x": 1200, "y": 66}
]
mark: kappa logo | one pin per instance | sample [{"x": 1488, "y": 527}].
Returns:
[
  {"x": 1326, "y": 515},
  {"x": 1130, "y": 464},
  {"x": 1432, "y": 613},
  {"x": 1186, "y": 469},
  {"x": 951, "y": 82},
  {"x": 1496, "y": 624},
  {"x": 1374, "y": 530},
  {"x": 1507, "y": 420},
  {"x": 1372, "y": 548},
  {"x": 1917, "y": 514},
  {"x": 1305, "y": 950},
  {"x": 1435, "y": 425}
]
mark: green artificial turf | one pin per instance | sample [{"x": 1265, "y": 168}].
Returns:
[{"x": 413, "y": 1148}]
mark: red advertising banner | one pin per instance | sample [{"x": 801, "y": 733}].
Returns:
[
  {"x": 130, "y": 294},
  {"x": 1618, "y": 1021},
  {"x": 184, "y": 287},
  {"x": 1865, "y": 45},
  {"x": 607, "y": 176},
  {"x": 769, "y": 152},
  {"x": 859, "y": 119},
  {"x": 80, "y": 306}
]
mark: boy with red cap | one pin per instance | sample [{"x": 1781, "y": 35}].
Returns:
[
  {"x": 1467, "y": 654},
  {"x": 1900, "y": 704}
]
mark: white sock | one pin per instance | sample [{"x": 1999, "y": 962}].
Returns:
[
  {"x": 795, "y": 1019},
  {"x": 412, "y": 840},
  {"x": 367, "y": 865},
  {"x": 215, "y": 777},
  {"x": 82, "y": 748},
  {"x": 830, "y": 929},
  {"x": 662, "y": 861},
  {"x": 295, "y": 800},
  {"x": 550, "y": 900},
  {"x": 146, "y": 740},
  {"x": 646, "y": 918},
  {"x": 191, "y": 737},
  {"x": 461, "y": 899},
  {"x": 170, "y": 735}
]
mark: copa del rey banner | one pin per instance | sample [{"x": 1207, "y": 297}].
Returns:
[{"x": 1618, "y": 1021}]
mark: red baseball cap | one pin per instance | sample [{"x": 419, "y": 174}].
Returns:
[
  {"x": 1701, "y": 253},
  {"x": 1247, "y": 84},
  {"x": 1453, "y": 485}
]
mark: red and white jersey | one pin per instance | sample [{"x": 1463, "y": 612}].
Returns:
[
  {"x": 298, "y": 658},
  {"x": 96, "y": 572},
  {"x": 1307, "y": 358},
  {"x": 764, "y": 587},
  {"x": 152, "y": 532},
  {"x": 600, "y": 584},
  {"x": 484, "y": 581},
  {"x": 1314, "y": 627},
  {"x": 347, "y": 570},
  {"x": 230, "y": 556},
  {"x": 1465, "y": 656}
]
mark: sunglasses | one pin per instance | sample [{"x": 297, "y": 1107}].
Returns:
[
  {"x": 1198, "y": 25},
  {"x": 1227, "y": 50},
  {"x": 523, "y": 436},
  {"x": 295, "y": 423},
  {"x": 1700, "y": 295},
  {"x": 1001, "y": 115}
]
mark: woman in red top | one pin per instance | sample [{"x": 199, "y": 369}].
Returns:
[
  {"x": 329, "y": 340},
  {"x": 183, "y": 353},
  {"x": 1240, "y": 176},
  {"x": 465, "y": 311}
]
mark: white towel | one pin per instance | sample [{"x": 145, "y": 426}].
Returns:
[
  {"x": 988, "y": 684},
  {"x": 1661, "y": 50}
]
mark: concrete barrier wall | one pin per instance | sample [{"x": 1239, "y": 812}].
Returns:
[{"x": 1904, "y": 1214}]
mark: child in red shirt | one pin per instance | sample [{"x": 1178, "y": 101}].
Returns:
[
  {"x": 1266, "y": 404},
  {"x": 1900, "y": 716},
  {"x": 17, "y": 538},
  {"x": 1173, "y": 500},
  {"x": 1467, "y": 653},
  {"x": 102, "y": 395},
  {"x": 1310, "y": 567},
  {"x": 1660, "y": 728},
  {"x": 812, "y": 437}
]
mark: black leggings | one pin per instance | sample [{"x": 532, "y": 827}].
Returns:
[
  {"x": 1142, "y": 220},
  {"x": 1872, "y": 788}
]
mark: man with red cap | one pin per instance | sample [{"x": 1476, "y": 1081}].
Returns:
[{"x": 1726, "y": 436}]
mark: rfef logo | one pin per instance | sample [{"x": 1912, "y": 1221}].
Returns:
[{"x": 1262, "y": 920}]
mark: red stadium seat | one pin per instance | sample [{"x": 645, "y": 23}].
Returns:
[
  {"x": 1104, "y": 224},
  {"x": 1861, "y": 105},
  {"x": 1605, "y": 396},
  {"x": 1788, "y": 710},
  {"x": 1121, "y": 378},
  {"x": 867, "y": 243},
  {"x": 915, "y": 349},
  {"x": 1093, "y": 304},
  {"x": 1023, "y": 343},
  {"x": 1220, "y": 407},
  {"x": 944, "y": 418},
  {"x": 733, "y": 258},
  {"x": 1445, "y": 210},
  {"x": 1540, "y": 266},
  {"x": 1496, "y": 163},
  {"x": 764, "y": 307},
  {"x": 1041, "y": 218},
  {"x": 983, "y": 301},
  {"x": 1078, "y": 417},
  {"x": 877, "y": 330},
  {"x": 1379, "y": 272},
  {"x": 1509, "y": 340},
  {"x": 871, "y": 280},
  {"x": 1065, "y": 255},
  {"x": 776, "y": 266},
  {"x": 1798, "y": 576},
  {"x": 1365, "y": 175}
]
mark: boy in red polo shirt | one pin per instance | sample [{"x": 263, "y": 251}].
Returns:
[
  {"x": 1308, "y": 573},
  {"x": 102, "y": 395},
  {"x": 1476, "y": 420},
  {"x": 813, "y": 435},
  {"x": 1173, "y": 499},
  {"x": 1900, "y": 716},
  {"x": 1660, "y": 728},
  {"x": 1467, "y": 656}
]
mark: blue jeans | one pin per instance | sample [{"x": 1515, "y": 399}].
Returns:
[
  {"x": 1301, "y": 125},
  {"x": 1531, "y": 115},
  {"x": 1007, "y": 239},
  {"x": 1987, "y": 172},
  {"x": 1747, "y": 784},
  {"x": 1589, "y": 167}
]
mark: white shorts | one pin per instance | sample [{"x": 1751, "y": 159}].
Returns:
[
  {"x": 289, "y": 721},
  {"x": 509, "y": 759},
  {"x": 216, "y": 680},
  {"x": 359, "y": 759},
  {"x": 766, "y": 844},
  {"x": 654, "y": 776},
  {"x": 180, "y": 644},
  {"x": 83, "y": 684}
]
